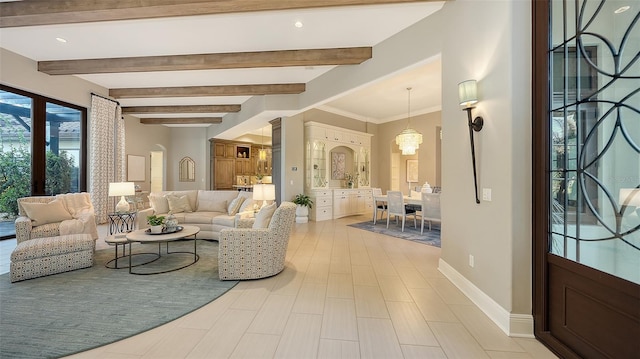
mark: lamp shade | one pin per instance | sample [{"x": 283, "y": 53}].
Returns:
[
  {"x": 258, "y": 192},
  {"x": 468, "y": 93},
  {"x": 264, "y": 193},
  {"x": 122, "y": 189},
  {"x": 269, "y": 192},
  {"x": 629, "y": 197}
]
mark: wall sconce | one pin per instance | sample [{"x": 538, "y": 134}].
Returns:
[{"x": 468, "y": 95}]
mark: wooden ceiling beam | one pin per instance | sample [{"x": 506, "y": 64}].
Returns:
[
  {"x": 181, "y": 109},
  {"x": 236, "y": 60},
  {"x": 198, "y": 91},
  {"x": 47, "y": 12},
  {"x": 181, "y": 121}
]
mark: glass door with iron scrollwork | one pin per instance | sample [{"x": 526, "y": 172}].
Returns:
[{"x": 594, "y": 116}]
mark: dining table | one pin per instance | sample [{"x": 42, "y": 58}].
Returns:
[{"x": 413, "y": 200}]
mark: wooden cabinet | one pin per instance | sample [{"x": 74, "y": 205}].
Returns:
[
  {"x": 243, "y": 167},
  {"x": 224, "y": 173},
  {"x": 230, "y": 159}
]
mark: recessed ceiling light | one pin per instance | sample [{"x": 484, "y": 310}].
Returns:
[
  {"x": 622, "y": 9},
  {"x": 61, "y": 40},
  {"x": 298, "y": 24}
]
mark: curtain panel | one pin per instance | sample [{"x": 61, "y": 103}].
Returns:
[{"x": 107, "y": 151}]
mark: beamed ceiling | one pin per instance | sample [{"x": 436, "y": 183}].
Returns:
[{"x": 196, "y": 62}]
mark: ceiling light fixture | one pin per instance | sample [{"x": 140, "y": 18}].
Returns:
[
  {"x": 298, "y": 24},
  {"x": 409, "y": 140},
  {"x": 60, "y": 39},
  {"x": 262, "y": 153}
]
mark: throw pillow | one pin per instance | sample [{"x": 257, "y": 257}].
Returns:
[
  {"x": 263, "y": 218},
  {"x": 247, "y": 205},
  {"x": 179, "y": 204},
  {"x": 43, "y": 213},
  {"x": 234, "y": 206},
  {"x": 159, "y": 203}
]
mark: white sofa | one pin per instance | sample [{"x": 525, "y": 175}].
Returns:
[{"x": 208, "y": 210}]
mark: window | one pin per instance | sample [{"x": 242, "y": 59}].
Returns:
[{"x": 43, "y": 146}]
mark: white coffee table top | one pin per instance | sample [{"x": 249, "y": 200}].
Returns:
[{"x": 142, "y": 236}]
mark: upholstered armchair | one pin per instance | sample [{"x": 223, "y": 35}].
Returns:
[
  {"x": 251, "y": 253},
  {"x": 51, "y": 216}
]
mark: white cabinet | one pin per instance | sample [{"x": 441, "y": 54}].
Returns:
[
  {"x": 329, "y": 201},
  {"x": 320, "y": 140},
  {"x": 349, "y": 202},
  {"x": 322, "y": 209}
]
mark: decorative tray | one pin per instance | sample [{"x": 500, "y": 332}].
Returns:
[{"x": 165, "y": 231}]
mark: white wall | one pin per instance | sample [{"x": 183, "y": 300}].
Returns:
[
  {"x": 292, "y": 156},
  {"x": 489, "y": 41}
]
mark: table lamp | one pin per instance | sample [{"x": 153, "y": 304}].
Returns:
[
  {"x": 264, "y": 193},
  {"x": 122, "y": 189}
]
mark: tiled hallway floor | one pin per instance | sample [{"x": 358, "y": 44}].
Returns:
[{"x": 345, "y": 293}]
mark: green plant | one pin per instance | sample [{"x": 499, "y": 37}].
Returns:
[
  {"x": 154, "y": 220},
  {"x": 303, "y": 200}
]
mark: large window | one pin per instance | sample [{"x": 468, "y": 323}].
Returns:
[{"x": 42, "y": 147}]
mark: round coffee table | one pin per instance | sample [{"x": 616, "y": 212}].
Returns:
[{"x": 144, "y": 236}]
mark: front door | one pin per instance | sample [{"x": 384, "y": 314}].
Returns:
[{"x": 586, "y": 137}]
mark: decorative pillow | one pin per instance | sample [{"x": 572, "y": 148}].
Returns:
[
  {"x": 247, "y": 205},
  {"x": 263, "y": 218},
  {"x": 234, "y": 206},
  {"x": 159, "y": 203},
  {"x": 43, "y": 213},
  {"x": 179, "y": 204}
]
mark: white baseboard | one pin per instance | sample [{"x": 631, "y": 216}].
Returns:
[{"x": 514, "y": 325}]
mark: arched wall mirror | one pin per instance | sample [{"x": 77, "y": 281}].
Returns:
[{"x": 187, "y": 170}]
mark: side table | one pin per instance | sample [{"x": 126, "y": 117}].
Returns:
[{"x": 120, "y": 223}]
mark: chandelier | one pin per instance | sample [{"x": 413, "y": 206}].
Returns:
[{"x": 409, "y": 140}]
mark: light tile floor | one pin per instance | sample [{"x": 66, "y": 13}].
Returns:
[{"x": 345, "y": 293}]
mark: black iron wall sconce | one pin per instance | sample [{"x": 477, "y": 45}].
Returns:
[{"x": 468, "y": 95}]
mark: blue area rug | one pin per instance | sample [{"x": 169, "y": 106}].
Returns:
[
  {"x": 431, "y": 238},
  {"x": 71, "y": 312}
]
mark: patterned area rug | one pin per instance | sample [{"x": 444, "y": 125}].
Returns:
[
  {"x": 431, "y": 238},
  {"x": 71, "y": 312}
]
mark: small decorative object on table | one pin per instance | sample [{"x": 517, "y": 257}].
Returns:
[
  {"x": 350, "y": 179},
  {"x": 156, "y": 223},
  {"x": 171, "y": 222}
]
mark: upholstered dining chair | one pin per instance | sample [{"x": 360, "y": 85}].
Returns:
[
  {"x": 396, "y": 207},
  {"x": 378, "y": 205},
  {"x": 430, "y": 209}
]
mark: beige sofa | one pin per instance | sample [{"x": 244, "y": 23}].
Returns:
[{"x": 208, "y": 210}]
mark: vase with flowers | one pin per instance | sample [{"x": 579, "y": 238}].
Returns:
[{"x": 350, "y": 179}]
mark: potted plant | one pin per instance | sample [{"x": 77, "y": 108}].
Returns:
[
  {"x": 304, "y": 203},
  {"x": 156, "y": 223}
]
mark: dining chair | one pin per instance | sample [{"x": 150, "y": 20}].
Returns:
[
  {"x": 396, "y": 207},
  {"x": 378, "y": 205},
  {"x": 430, "y": 209}
]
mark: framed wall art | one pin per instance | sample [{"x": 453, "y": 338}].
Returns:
[{"x": 136, "y": 168}]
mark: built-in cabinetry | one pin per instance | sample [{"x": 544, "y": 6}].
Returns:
[
  {"x": 333, "y": 153},
  {"x": 232, "y": 158},
  {"x": 347, "y": 202}
]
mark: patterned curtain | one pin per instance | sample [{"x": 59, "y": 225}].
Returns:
[{"x": 106, "y": 153}]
